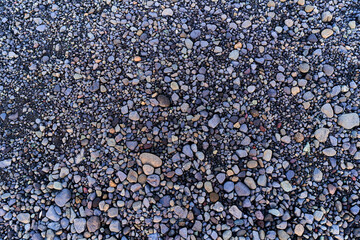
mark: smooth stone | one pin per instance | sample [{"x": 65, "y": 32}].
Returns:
[
  {"x": 134, "y": 115},
  {"x": 79, "y": 224},
  {"x": 151, "y": 159},
  {"x": 317, "y": 175},
  {"x": 328, "y": 70},
  {"x": 318, "y": 215},
  {"x": 349, "y": 120},
  {"x": 326, "y": 16},
  {"x": 250, "y": 183},
  {"x": 163, "y": 101},
  {"x": 229, "y": 186},
  {"x": 252, "y": 164},
  {"x": 153, "y": 180},
  {"x": 322, "y": 134},
  {"x": 267, "y": 155},
  {"x": 286, "y": 185},
  {"x": 234, "y": 55},
  {"x": 115, "y": 226},
  {"x": 167, "y": 12},
  {"x": 304, "y": 67},
  {"x": 327, "y": 110},
  {"x": 241, "y": 189},
  {"x": 327, "y": 33},
  {"x": 330, "y": 152},
  {"x": 235, "y": 212},
  {"x": 52, "y": 214},
  {"x": 23, "y": 218},
  {"x": 241, "y": 153},
  {"x": 63, "y": 197},
  {"x": 299, "y": 229},
  {"x": 93, "y": 224},
  {"x": 187, "y": 151},
  {"x": 214, "y": 121}
]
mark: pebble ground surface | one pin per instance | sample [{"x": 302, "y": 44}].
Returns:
[{"x": 179, "y": 119}]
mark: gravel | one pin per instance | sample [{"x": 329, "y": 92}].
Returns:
[{"x": 179, "y": 120}]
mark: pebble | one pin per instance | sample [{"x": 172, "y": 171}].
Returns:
[
  {"x": 79, "y": 224},
  {"x": 304, "y": 67},
  {"x": 150, "y": 159},
  {"x": 167, "y": 12},
  {"x": 214, "y": 121},
  {"x": 235, "y": 212},
  {"x": 234, "y": 55},
  {"x": 327, "y": 33},
  {"x": 267, "y": 155},
  {"x": 328, "y": 70},
  {"x": 349, "y": 120},
  {"x": 330, "y": 152},
  {"x": 326, "y": 16},
  {"x": 23, "y": 218},
  {"x": 299, "y": 230},
  {"x": 286, "y": 186},
  {"x": 241, "y": 189},
  {"x": 93, "y": 224},
  {"x": 317, "y": 175},
  {"x": 322, "y": 134},
  {"x": 327, "y": 110},
  {"x": 63, "y": 197}
]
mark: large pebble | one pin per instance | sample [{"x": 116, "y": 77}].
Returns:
[
  {"x": 63, "y": 197},
  {"x": 349, "y": 120},
  {"x": 322, "y": 134},
  {"x": 93, "y": 224},
  {"x": 151, "y": 159},
  {"x": 241, "y": 189}
]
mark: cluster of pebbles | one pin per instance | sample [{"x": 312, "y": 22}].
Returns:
[{"x": 179, "y": 119}]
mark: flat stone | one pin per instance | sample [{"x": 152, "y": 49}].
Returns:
[
  {"x": 304, "y": 67},
  {"x": 63, "y": 197},
  {"x": 328, "y": 70},
  {"x": 134, "y": 115},
  {"x": 151, "y": 159},
  {"x": 167, "y": 12},
  {"x": 214, "y": 121},
  {"x": 241, "y": 153},
  {"x": 52, "y": 214},
  {"x": 163, "y": 101},
  {"x": 229, "y": 186},
  {"x": 23, "y": 218},
  {"x": 286, "y": 185},
  {"x": 317, "y": 175},
  {"x": 267, "y": 155},
  {"x": 322, "y": 134},
  {"x": 93, "y": 224},
  {"x": 235, "y": 212},
  {"x": 79, "y": 224},
  {"x": 242, "y": 190},
  {"x": 349, "y": 120},
  {"x": 327, "y": 110},
  {"x": 330, "y": 152},
  {"x": 327, "y": 33},
  {"x": 234, "y": 55},
  {"x": 115, "y": 226},
  {"x": 187, "y": 151}
]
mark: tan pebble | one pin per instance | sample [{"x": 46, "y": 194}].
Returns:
[
  {"x": 327, "y": 33},
  {"x": 238, "y": 45},
  {"x": 137, "y": 59},
  {"x": 148, "y": 169}
]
